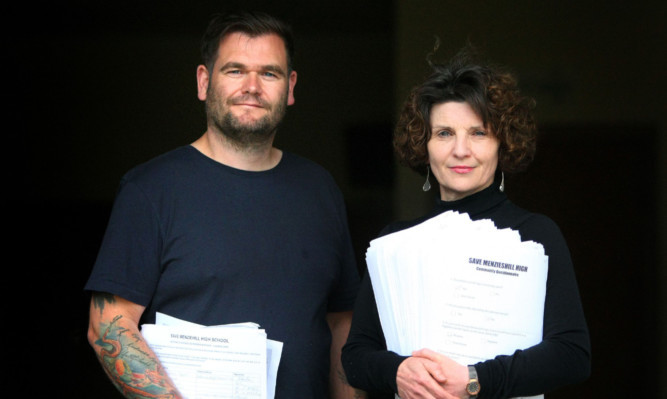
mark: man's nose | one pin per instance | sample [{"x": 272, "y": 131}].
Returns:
[{"x": 252, "y": 84}]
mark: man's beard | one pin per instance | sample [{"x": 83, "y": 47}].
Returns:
[{"x": 245, "y": 136}]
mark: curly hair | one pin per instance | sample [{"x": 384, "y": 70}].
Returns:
[{"x": 493, "y": 95}]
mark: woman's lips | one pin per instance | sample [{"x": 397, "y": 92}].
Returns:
[{"x": 462, "y": 169}]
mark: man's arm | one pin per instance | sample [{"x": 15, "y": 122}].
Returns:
[
  {"x": 131, "y": 365},
  {"x": 339, "y": 323}
]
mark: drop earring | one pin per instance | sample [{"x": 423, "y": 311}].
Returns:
[
  {"x": 502, "y": 182},
  {"x": 427, "y": 184}
]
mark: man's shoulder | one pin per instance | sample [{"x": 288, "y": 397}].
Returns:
[
  {"x": 299, "y": 165},
  {"x": 296, "y": 160},
  {"x": 162, "y": 165}
]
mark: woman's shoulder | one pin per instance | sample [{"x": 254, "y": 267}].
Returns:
[
  {"x": 399, "y": 225},
  {"x": 519, "y": 218},
  {"x": 534, "y": 226}
]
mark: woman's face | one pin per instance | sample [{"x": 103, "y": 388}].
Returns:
[{"x": 463, "y": 154}]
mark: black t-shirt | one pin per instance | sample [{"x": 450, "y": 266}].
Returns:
[{"x": 204, "y": 242}]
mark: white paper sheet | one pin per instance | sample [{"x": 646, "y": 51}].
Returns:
[
  {"x": 460, "y": 287},
  {"x": 226, "y": 361}
]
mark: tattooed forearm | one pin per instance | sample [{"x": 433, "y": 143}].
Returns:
[
  {"x": 356, "y": 393},
  {"x": 359, "y": 394},
  {"x": 102, "y": 298},
  {"x": 130, "y": 365},
  {"x": 341, "y": 376}
]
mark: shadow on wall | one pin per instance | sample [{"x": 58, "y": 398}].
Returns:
[{"x": 603, "y": 195}]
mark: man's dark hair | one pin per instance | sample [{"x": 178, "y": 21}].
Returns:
[{"x": 252, "y": 24}]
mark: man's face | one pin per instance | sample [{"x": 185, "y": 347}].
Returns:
[{"x": 249, "y": 88}]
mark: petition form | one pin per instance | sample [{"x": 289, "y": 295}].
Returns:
[
  {"x": 493, "y": 304},
  {"x": 460, "y": 287},
  {"x": 229, "y": 361}
]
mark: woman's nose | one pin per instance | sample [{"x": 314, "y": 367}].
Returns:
[{"x": 462, "y": 146}]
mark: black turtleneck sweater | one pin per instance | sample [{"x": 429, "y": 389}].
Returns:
[{"x": 563, "y": 356}]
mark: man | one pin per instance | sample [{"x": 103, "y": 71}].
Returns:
[{"x": 230, "y": 229}]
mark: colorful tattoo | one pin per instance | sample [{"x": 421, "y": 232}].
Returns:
[
  {"x": 101, "y": 298},
  {"x": 136, "y": 373}
]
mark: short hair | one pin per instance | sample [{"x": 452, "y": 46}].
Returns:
[
  {"x": 252, "y": 24},
  {"x": 493, "y": 95}
]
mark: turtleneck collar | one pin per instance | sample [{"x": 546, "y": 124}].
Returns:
[{"x": 476, "y": 203}]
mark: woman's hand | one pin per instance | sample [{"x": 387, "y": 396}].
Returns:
[{"x": 428, "y": 374}]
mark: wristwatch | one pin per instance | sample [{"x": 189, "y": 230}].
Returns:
[{"x": 473, "y": 386}]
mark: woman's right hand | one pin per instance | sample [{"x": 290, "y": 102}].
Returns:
[{"x": 420, "y": 377}]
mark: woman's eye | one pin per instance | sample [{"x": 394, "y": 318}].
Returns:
[{"x": 480, "y": 133}]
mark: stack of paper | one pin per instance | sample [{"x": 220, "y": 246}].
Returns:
[
  {"x": 460, "y": 287},
  {"x": 226, "y": 361}
]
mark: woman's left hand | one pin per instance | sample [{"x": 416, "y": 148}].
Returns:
[{"x": 456, "y": 374}]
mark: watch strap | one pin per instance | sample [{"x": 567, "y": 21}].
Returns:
[{"x": 473, "y": 387}]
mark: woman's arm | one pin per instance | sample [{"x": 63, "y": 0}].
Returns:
[
  {"x": 564, "y": 356},
  {"x": 367, "y": 362},
  {"x": 371, "y": 367}
]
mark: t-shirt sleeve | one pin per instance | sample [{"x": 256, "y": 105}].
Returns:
[
  {"x": 128, "y": 264},
  {"x": 344, "y": 294}
]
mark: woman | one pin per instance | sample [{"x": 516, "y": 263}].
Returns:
[{"x": 467, "y": 124}]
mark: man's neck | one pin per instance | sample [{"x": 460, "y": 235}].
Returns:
[{"x": 258, "y": 158}]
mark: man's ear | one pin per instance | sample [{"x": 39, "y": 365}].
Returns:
[
  {"x": 202, "y": 82},
  {"x": 291, "y": 83}
]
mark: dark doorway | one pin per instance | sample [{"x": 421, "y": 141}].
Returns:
[{"x": 600, "y": 185}]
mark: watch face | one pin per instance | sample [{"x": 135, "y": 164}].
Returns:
[{"x": 473, "y": 387}]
